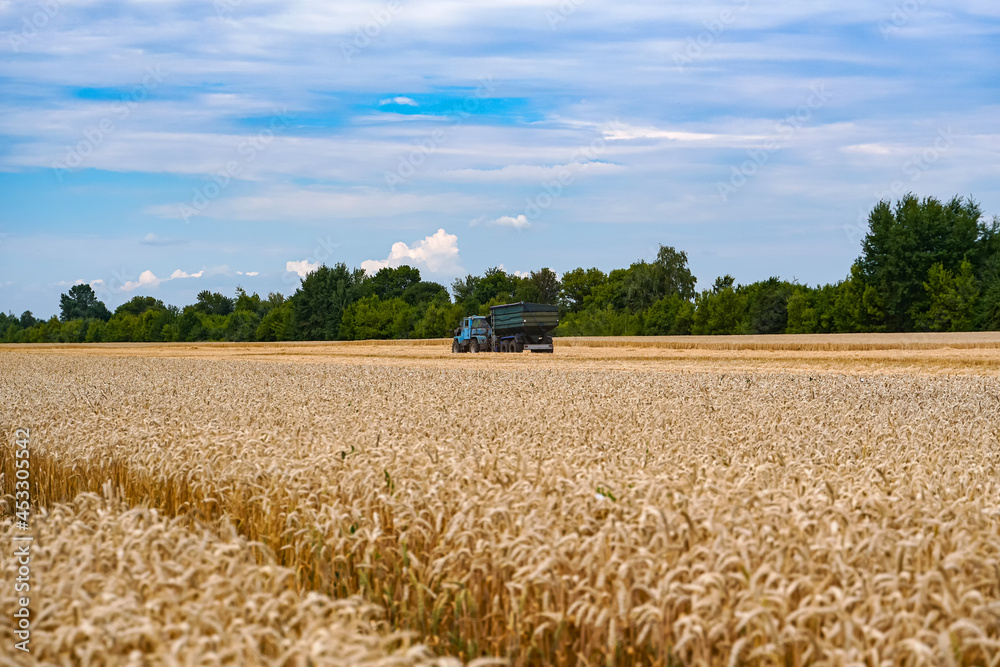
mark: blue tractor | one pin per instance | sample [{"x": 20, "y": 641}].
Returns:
[{"x": 473, "y": 335}]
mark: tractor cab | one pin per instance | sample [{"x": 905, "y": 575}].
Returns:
[{"x": 471, "y": 335}]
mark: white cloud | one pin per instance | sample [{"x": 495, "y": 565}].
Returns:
[
  {"x": 403, "y": 101},
  {"x": 248, "y": 273},
  {"x": 146, "y": 279},
  {"x": 519, "y": 222},
  {"x": 303, "y": 267},
  {"x": 181, "y": 274},
  {"x": 629, "y": 132},
  {"x": 437, "y": 252}
]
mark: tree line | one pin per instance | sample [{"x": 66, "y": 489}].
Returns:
[{"x": 925, "y": 265}]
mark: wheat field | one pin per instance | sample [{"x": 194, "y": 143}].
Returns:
[{"x": 396, "y": 504}]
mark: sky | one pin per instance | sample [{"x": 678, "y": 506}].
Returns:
[{"x": 163, "y": 148}]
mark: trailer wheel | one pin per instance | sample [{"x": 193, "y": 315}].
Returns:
[
  {"x": 503, "y": 346},
  {"x": 518, "y": 347}
]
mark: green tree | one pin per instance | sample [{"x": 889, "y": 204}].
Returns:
[
  {"x": 611, "y": 293},
  {"x": 952, "y": 299},
  {"x": 389, "y": 283},
  {"x": 464, "y": 289},
  {"x": 600, "y": 321},
  {"x": 138, "y": 305},
  {"x": 546, "y": 285},
  {"x": 242, "y": 325},
  {"x": 319, "y": 303},
  {"x": 251, "y": 303},
  {"x": 276, "y": 324},
  {"x": 767, "y": 305},
  {"x": 495, "y": 284},
  {"x": 670, "y": 316},
  {"x": 81, "y": 303},
  {"x": 577, "y": 285},
  {"x": 95, "y": 332},
  {"x": 438, "y": 321},
  {"x": 721, "y": 310},
  {"x": 988, "y": 312},
  {"x": 802, "y": 314},
  {"x": 425, "y": 292},
  {"x": 373, "y": 318},
  {"x": 213, "y": 303},
  {"x": 646, "y": 283},
  {"x": 902, "y": 244}
]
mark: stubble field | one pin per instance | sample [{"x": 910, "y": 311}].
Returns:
[{"x": 619, "y": 502}]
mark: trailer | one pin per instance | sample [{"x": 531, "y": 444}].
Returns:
[
  {"x": 523, "y": 326},
  {"x": 511, "y": 327}
]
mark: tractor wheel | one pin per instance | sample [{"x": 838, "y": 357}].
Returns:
[
  {"x": 454, "y": 347},
  {"x": 474, "y": 346}
]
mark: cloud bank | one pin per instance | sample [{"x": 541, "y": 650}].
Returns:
[{"x": 436, "y": 253}]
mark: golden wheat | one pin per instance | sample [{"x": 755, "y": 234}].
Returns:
[
  {"x": 549, "y": 511},
  {"x": 119, "y": 585}
]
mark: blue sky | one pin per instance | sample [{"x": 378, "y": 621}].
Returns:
[{"x": 168, "y": 147}]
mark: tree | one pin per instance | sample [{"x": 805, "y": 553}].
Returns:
[
  {"x": 670, "y": 316},
  {"x": 611, "y": 293},
  {"x": 767, "y": 305},
  {"x": 526, "y": 291},
  {"x": 673, "y": 272},
  {"x": 80, "y": 304},
  {"x": 988, "y": 311},
  {"x": 495, "y": 284},
  {"x": 600, "y": 321},
  {"x": 952, "y": 299},
  {"x": 904, "y": 242},
  {"x": 438, "y": 321},
  {"x": 464, "y": 289},
  {"x": 251, "y": 303},
  {"x": 546, "y": 284},
  {"x": 95, "y": 332},
  {"x": 27, "y": 320},
  {"x": 577, "y": 285},
  {"x": 138, "y": 305},
  {"x": 802, "y": 315},
  {"x": 373, "y": 318},
  {"x": 213, "y": 303},
  {"x": 320, "y": 301},
  {"x": 723, "y": 283},
  {"x": 390, "y": 283},
  {"x": 276, "y": 324},
  {"x": 668, "y": 274},
  {"x": 721, "y": 310},
  {"x": 425, "y": 292},
  {"x": 242, "y": 324}
]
